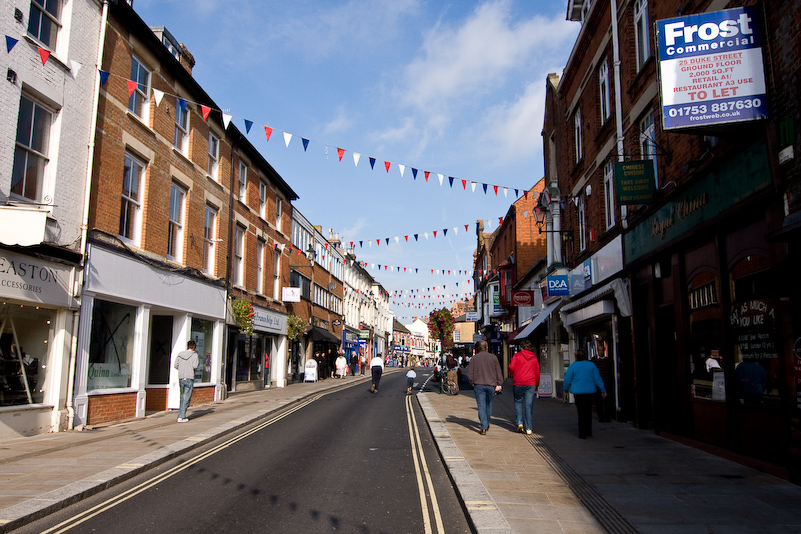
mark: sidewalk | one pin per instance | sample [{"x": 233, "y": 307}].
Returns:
[{"x": 621, "y": 480}]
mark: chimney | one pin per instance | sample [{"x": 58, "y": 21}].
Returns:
[{"x": 187, "y": 59}]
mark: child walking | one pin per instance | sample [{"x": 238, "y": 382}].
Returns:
[{"x": 410, "y": 376}]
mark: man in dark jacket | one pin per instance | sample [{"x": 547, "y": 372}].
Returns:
[{"x": 484, "y": 374}]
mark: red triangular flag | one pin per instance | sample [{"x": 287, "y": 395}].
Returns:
[
  {"x": 435, "y": 234},
  {"x": 496, "y": 189},
  {"x": 378, "y": 242},
  {"x": 465, "y": 227},
  {"x": 427, "y": 173},
  {"x": 464, "y": 185},
  {"x": 131, "y": 87},
  {"x": 406, "y": 237},
  {"x": 44, "y": 54},
  {"x": 525, "y": 194},
  {"x": 387, "y": 164},
  {"x": 341, "y": 152},
  {"x": 500, "y": 220},
  {"x": 268, "y": 132},
  {"x": 206, "y": 110}
]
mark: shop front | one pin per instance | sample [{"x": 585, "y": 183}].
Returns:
[
  {"x": 38, "y": 317},
  {"x": 270, "y": 344},
  {"x": 714, "y": 320},
  {"x": 131, "y": 327}
]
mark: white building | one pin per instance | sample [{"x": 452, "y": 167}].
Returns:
[{"x": 50, "y": 96}]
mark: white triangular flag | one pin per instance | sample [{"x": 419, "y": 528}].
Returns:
[
  {"x": 455, "y": 230},
  {"x": 226, "y": 119},
  {"x": 426, "y": 235},
  {"x": 158, "y": 95},
  {"x": 397, "y": 240},
  {"x": 402, "y": 168},
  {"x": 440, "y": 178},
  {"x": 356, "y": 157},
  {"x": 505, "y": 190},
  {"x": 489, "y": 224},
  {"x": 75, "y": 67},
  {"x": 473, "y": 185},
  {"x": 287, "y": 138}
]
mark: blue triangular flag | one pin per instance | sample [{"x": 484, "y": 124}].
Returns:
[
  {"x": 414, "y": 173},
  {"x": 387, "y": 240},
  {"x": 517, "y": 193},
  {"x": 361, "y": 245},
  {"x": 415, "y": 237},
  {"x": 248, "y": 125},
  {"x": 485, "y": 189},
  {"x": 444, "y": 232},
  {"x": 305, "y": 143},
  {"x": 450, "y": 179},
  {"x": 10, "y": 42},
  {"x": 103, "y": 78},
  {"x": 182, "y": 104},
  {"x": 372, "y": 163}
]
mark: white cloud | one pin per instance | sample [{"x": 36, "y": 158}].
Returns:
[
  {"x": 511, "y": 130},
  {"x": 340, "y": 122}
]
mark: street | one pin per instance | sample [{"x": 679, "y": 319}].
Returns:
[{"x": 347, "y": 461}]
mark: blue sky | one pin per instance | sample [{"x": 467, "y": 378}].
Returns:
[{"x": 454, "y": 88}]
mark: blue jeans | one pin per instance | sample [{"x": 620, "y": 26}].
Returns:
[
  {"x": 484, "y": 396},
  {"x": 186, "y": 386},
  {"x": 524, "y": 401}
]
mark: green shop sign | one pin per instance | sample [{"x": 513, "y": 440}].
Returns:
[
  {"x": 634, "y": 181},
  {"x": 734, "y": 181}
]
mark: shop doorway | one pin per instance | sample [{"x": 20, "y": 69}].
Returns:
[{"x": 160, "y": 350}]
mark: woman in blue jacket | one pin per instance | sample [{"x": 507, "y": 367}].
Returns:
[{"x": 583, "y": 380}]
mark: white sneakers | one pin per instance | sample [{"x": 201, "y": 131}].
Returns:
[{"x": 183, "y": 420}]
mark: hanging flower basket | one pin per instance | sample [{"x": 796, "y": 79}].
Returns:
[{"x": 243, "y": 314}]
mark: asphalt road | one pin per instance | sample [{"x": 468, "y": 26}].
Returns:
[{"x": 346, "y": 461}]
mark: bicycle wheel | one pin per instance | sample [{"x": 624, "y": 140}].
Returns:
[{"x": 451, "y": 388}]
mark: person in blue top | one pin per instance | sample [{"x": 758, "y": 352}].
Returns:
[{"x": 583, "y": 380}]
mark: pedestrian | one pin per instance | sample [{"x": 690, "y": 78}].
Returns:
[
  {"x": 354, "y": 363},
  {"x": 377, "y": 368},
  {"x": 525, "y": 372},
  {"x": 342, "y": 366},
  {"x": 410, "y": 376},
  {"x": 484, "y": 374},
  {"x": 362, "y": 363},
  {"x": 186, "y": 363},
  {"x": 583, "y": 380}
]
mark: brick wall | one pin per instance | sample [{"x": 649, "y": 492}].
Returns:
[{"x": 105, "y": 408}]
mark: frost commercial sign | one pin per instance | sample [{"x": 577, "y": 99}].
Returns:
[{"x": 710, "y": 68}]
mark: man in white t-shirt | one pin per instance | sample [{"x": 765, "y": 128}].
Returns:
[{"x": 377, "y": 367}]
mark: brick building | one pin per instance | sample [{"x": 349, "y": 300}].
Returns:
[{"x": 685, "y": 294}]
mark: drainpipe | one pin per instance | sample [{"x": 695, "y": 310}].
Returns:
[
  {"x": 85, "y": 222},
  {"x": 618, "y": 98}
]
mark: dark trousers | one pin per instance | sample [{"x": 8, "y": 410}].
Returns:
[
  {"x": 377, "y": 370},
  {"x": 584, "y": 408},
  {"x": 604, "y": 414}
]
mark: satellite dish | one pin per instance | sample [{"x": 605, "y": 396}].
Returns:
[{"x": 332, "y": 286}]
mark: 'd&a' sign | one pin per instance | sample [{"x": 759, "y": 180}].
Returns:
[{"x": 558, "y": 285}]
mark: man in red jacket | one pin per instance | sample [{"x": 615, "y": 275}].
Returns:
[{"x": 525, "y": 372}]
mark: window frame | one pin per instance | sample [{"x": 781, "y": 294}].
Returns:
[
  {"x": 135, "y": 225},
  {"x": 40, "y": 152},
  {"x": 261, "y": 245},
  {"x": 642, "y": 41},
  {"x": 181, "y": 137},
  {"x": 38, "y": 6},
  {"x": 239, "y": 256},
  {"x": 243, "y": 182},
  {"x": 582, "y": 223},
  {"x": 176, "y": 218},
  {"x": 577, "y": 135},
  {"x": 263, "y": 199},
  {"x": 278, "y": 210},
  {"x": 135, "y": 106},
  {"x": 276, "y": 273},
  {"x": 647, "y": 126},
  {"x": 213, "y": 164},
  {"x": 209, "y": 240},
  {"x": 605, "y": 103},
  {"x": 609, "y": 194}
]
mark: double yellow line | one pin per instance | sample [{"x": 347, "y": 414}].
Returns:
[
  {"x": 124, "y": 496},
  {"x": 421, "y": 468}
]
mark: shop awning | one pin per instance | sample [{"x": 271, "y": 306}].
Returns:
[
  {"x": 321, "y": 334},
  {"x": 538, "y": 320},
  {"x": 510, "y": 337},
  {"x": 617, "y": 287}
]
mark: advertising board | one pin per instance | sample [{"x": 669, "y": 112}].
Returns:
[{"x": 710, "y": 68}]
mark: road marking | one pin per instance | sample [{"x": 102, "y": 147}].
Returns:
[
  {"x": 417, "y": 449},
  {"x": 98, "y": 509}
]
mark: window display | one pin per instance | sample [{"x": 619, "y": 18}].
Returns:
[
  {"x": 706, "y": 357},
  {"x": 203, "y": 336},
  {"x": 25, "y": 336},
  {"x": 111, "y": 346}
]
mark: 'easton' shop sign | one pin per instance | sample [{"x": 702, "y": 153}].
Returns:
[{"x": 710, "y": 68}]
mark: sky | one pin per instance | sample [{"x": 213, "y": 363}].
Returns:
[{"x": 453, "y": 88}]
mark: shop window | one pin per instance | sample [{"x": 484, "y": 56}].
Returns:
[
  {"x": 111, "y": 346},
  {"x": 23, "y": 360},
  {"x": 753, "y": 318},
  {"x": 203, "y": 336},
  {"x": 706, "y": 356}
]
